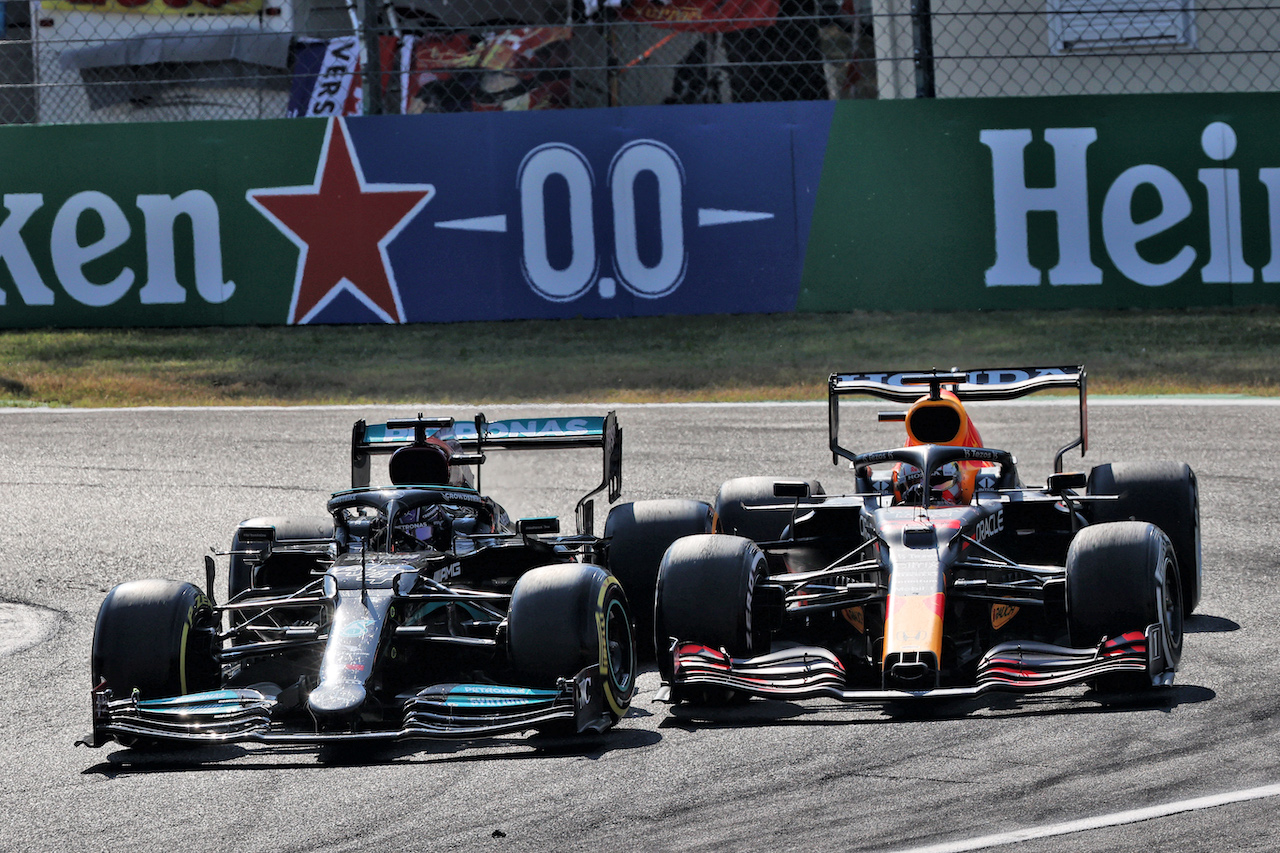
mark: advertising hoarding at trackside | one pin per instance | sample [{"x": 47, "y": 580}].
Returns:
[
  {"x": 409, "y": 219},
  {"x": 1124, "y": 201},
  {"x": 1100, "y": 201}
]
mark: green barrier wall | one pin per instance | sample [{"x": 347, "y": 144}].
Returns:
[
  {"x": 130, "y": 224},
  {"x": 1127, "y": 201}
]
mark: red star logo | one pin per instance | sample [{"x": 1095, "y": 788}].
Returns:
[{"x": 342, "y": 227}]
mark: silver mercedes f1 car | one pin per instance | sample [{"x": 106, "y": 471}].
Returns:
[{"x": 415, "y": 609}]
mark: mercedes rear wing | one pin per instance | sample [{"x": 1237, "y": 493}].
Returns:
[
  {"x": 481, "y": 435},
  {"x": 1004, "y": 383}
]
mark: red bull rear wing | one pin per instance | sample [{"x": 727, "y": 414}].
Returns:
[{"x": 986, "y": 384}]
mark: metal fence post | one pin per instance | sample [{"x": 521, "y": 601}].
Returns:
[
  {"x": 372, "y": 82},
  {"x": 922, "y": 37},
  {"x": 612, "y": 76}
]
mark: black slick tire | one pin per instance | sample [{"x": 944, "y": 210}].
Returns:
[
  {"x": 1123, "y": 576},
  {"x": 284, "y": 531},
  {"x": 155, "y": 637},
  {"x": 567, "y": 617},
  {"x": 733, "y": 517},
  {"x": 705, "y": 589},
  {"x": 639, "y": 534},
  {"x": 1165, "y": 494}
]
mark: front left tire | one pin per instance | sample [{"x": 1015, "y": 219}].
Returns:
[
  {"x": 1121, "y": 577},
  {"x": 567, "y": 617},
  {"x": 156, "y": 637}
]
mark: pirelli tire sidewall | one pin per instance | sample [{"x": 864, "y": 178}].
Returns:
[
  {"x": 616, "y": 645},
  {"x": 1123, "y": 576},
  {"x": 706, "y": 586},
  {"x": 154, "y": 636},
  {"x": 567, "y": 617}
]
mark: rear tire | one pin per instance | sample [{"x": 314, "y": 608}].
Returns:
[
  {"x": 705, "y": 589},
  {"x": 1123, "y": 576},
  {"x": 639, "y": 534},
  {"x": 287, "y": 531},
  {"x": 1164, "y": 494},
  {"x": 734, "y": 518},
  {"x": 567, "y": 617}
]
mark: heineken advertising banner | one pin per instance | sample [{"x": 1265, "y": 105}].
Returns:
[
  {"x": 409, "y": 219},
  {"x": 1099, "y": 201},
  {"x": 1159, "y": 200}
]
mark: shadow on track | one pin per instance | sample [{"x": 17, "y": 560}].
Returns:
[
  {"x": 1201, "y": 624},
  {"x": 257, "y": 757},
  {"x": 772, "y": 712}
]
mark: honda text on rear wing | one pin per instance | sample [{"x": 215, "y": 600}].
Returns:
[{"x": 1004, "y": 383}]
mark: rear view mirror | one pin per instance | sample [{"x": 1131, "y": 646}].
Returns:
[
  {"x": 531, "y": 526},
  {"x": 1059, "y": 483},
  {"x": 791, "y": 489}
]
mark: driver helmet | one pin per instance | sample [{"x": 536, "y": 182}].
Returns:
[
  {"x": 946, "y": 488},
  {"x": 429, "y": 525}
]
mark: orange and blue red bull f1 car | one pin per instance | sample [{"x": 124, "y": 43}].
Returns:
[{"x": 942, "y": 574}]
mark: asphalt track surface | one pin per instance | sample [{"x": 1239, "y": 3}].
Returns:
[{"x": 95, "y": 498}]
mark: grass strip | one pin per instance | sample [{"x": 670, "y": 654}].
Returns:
[{"x": 648, "y": 359}]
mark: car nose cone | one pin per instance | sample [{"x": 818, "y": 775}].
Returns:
[{"x": 329, "y": 701}]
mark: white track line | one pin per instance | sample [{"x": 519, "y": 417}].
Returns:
[
  {"x": 1102, "y": 821},
  {"x": 1193, "y": 400}
]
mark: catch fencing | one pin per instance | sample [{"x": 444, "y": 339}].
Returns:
[{"x": 67, "y": 61}]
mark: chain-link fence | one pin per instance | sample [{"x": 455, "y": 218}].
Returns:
[{"x": 158, "y": 60}]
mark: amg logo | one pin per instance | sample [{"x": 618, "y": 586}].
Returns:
[
  {"x": 450, "y": 571},
  {"x": 989, "y": 526}
]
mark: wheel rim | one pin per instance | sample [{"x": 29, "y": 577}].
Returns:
[{"x": 619, "y": 650}]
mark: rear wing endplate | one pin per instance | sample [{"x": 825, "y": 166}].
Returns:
[
  {"x": 481, "y": 435},
  {"x": 1005, "y": 383}
]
